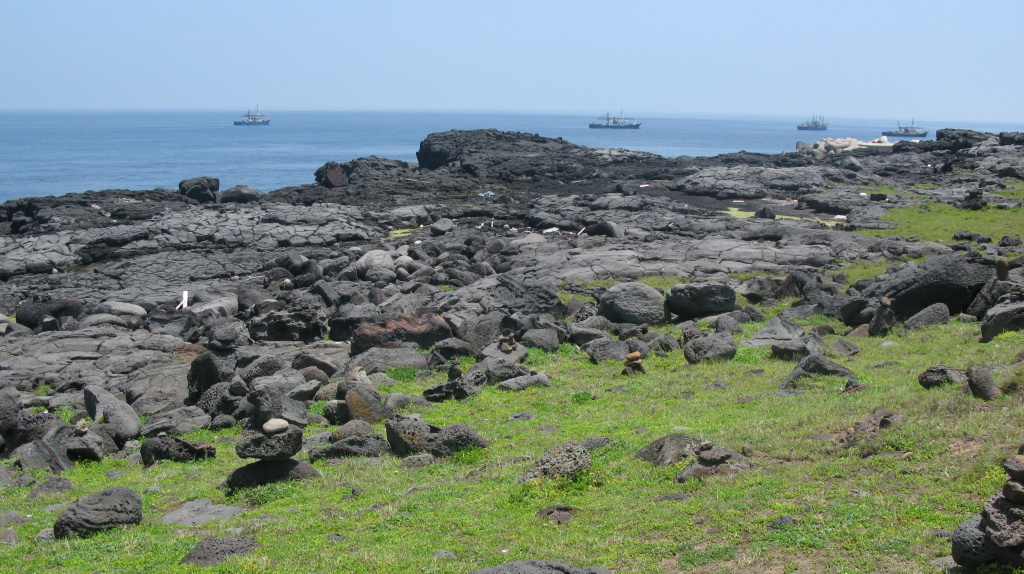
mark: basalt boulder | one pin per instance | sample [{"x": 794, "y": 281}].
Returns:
[
  {"x": 112, "y": 508},
  {"x": 695, "y": 300},
  {"x": 634, "y": 303},
  {"x": 952, "y": 279}
]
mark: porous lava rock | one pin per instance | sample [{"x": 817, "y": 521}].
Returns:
[{"x": 111, "y": 508}]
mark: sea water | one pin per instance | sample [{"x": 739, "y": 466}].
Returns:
[{"x": 53, "y": 153}]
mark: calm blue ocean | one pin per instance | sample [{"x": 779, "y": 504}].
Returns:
[{"x": 52, "y": 153}]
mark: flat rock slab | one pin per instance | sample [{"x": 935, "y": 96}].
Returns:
[
  {"x": 199, "y": 512},
  {"x": 213, "y": 550}
]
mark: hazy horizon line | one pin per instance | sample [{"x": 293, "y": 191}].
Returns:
[{"x": 648, "y": 114}]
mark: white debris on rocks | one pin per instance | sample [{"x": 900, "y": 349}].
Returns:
[{"x": 830, "y": 146}]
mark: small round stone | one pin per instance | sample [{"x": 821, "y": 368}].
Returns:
[{"x": 275, "y": 426}]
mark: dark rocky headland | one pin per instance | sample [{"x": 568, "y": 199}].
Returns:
[{"x": 310, "y": 293}]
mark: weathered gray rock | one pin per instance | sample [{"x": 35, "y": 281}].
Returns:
[
  {"x": 565, "y": 460},
  {"x": 695, "y": 300},
  {"x": 104, "y": 407},
  {"x": 365, "y": 406},
  {"x": 716, "y": 346},
  {"x": 178, "y": 421},
  {"x": 776, "y": 331},
  {"x": 634, "y": 303},
  {"x": 110, "y": 508},
  {"x": 1006, "y": 316},
  {"x": 543, "y": 339},
  {"x": 981, "y": 383},
  {"x": 798, "y": 348},
  {"x": 26, "y": 429},
  {"x": 815, "y": 364},
  {"x": 52, "y": 487},
  {"x": 714, "y": 460},
  {"x": 941, "y": 375},
  {"x": 668, "y": 450},
  {"x": 842, "y": 347},
  {"x": 934, "y": 314},
  {"x": 241, "y": 194},
  {"x": 43, "y": 454},
  {"x": 971, "y": 547},
  {"x": 1003, "y": 521},
  {"x": 280, "y": 446},
  {"x": 951, "y": 279},
  {"x": 412, "y": 435},
  {"x": 606, "y": 349}
]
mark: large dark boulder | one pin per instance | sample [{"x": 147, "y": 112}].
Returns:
[
  {"x": 201, "y": 189},
  {"x": 26, "y": 429},
  {"x": 104, "y": 407},
  {"x": 1006, "y": 316},
  {"x": 634, "y": 303},
  {"x": 280, "y": 446},
  {"x": 331, "y": 174},
  {"x": 111, "y": 508},
  {"x": 934, "y": 314},
  {"x": 31, "y": 313},
  {"x": 412, "y": 435},
  {"x": 695, "y": 300},
  {"x": 951, "y": 279},
  {"x": 241, "y": 194},
  {"x": 716, "y": 346}
]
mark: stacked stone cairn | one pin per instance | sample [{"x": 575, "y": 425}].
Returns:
[
  {"x": 273, "y": 434},
  {"x": 633, "y": 365},
  {"x": 997, "y": 535}
]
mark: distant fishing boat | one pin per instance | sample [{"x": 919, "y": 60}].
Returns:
[
  {"x": 251, "y": 119},
  {"x": 619, "y": 123},
  {"x": 816, "y": 123},
  {"x": 911, "y": 131}
]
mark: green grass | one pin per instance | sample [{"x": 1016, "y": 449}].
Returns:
[
  {"x": 401, "y": 233},
  {"x": 1014, "y": 190},
  {"x": 861, "y": 512},
  {"x": 938, "y": 222}
]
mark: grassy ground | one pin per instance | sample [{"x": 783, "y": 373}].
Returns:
[
  {"x": 939, "y": 221},
  {"x": 867, "y": 508}
]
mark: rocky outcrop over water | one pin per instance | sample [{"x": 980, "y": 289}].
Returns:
[{"x": 196, "y": 308}]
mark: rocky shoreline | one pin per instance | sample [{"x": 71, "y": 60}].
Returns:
[{"x": 197, "y": 307}]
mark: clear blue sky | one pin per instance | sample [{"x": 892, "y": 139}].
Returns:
[{"x": 946, "y": 59}]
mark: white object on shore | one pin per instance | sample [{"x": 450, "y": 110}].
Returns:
[{"x": 184, "y": 301}]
